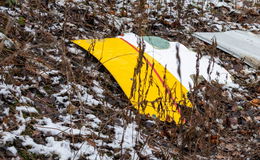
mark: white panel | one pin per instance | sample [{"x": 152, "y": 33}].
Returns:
[{"x": 240, "y": 44}]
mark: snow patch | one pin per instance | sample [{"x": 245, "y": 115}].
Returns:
[
  {"x": 12, "y": 150},
  {"x": 26, "y": 109}
]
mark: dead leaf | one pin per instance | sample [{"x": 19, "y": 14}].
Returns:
[
  {"x": 123, "y": 13},
  {"x": 91, "y": 142},
  {"x": 214, "y": 139},
  {"x": 258, "y": 90},
  {"x": 230, "y": 147},
  {"x": 253, "y": 12},
  {"x": 255, "y": 102},
  {"x": 146, "y": 6},
  {"x": 176, "y": 151},
  {"x": 112, "y": 12},
  {"x": 220, "y": 157},
  {"x": 36, "y": 133},
  {"x": 244, "y": 132},
  {"x": 71, "y": 109}
]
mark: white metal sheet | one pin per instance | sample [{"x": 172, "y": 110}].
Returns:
[{"x": 240, "y": 44}]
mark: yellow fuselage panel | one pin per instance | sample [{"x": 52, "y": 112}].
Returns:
[{"x": 153, "y": 90}]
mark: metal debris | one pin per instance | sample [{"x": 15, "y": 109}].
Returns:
[{"x": 240, "y": 44}]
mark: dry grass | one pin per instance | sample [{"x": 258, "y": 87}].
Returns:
[{"x": 208, "y": 126}]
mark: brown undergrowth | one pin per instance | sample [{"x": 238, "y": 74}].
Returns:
[{"x": 221, "y": 123}]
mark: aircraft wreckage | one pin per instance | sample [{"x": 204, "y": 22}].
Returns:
[{"x": 157, "y": 77}]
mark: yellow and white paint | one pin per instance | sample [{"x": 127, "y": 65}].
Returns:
[{"x": 156, "y": 89}]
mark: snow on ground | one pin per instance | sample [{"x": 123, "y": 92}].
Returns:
[
  {"x": 55, "y": 113},
  {"x": 26, "y": 109}
]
